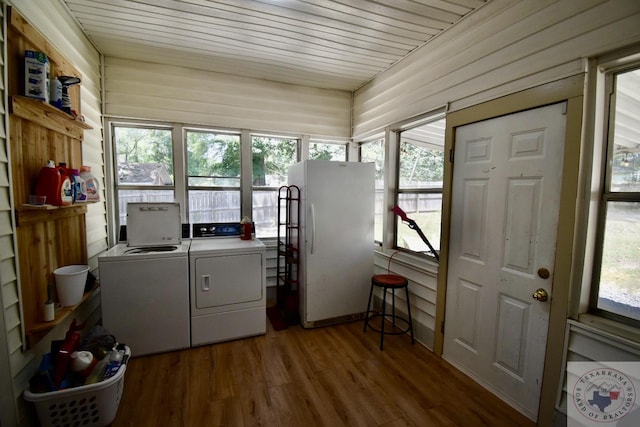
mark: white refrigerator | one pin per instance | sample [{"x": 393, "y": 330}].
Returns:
[{"x": 337, "y": 246}]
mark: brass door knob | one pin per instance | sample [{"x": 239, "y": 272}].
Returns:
[{"x": 541, "y": 295}]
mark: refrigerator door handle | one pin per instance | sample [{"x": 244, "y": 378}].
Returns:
[{"x": 313, "y": 227}]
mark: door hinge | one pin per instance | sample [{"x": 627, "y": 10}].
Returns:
[
  {"x": 451, "y": 155},
  {"x": 442, "y": 327}
]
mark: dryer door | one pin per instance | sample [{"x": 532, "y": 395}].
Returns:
[{"x": 228, "y": 280}]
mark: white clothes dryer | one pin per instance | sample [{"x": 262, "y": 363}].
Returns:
[{"x": 228, "y": 289}]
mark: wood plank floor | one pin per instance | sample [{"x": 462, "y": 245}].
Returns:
[{"x": 332, "y": 376}]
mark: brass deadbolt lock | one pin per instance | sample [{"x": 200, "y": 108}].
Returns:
[{"x": 543, "y": 273}]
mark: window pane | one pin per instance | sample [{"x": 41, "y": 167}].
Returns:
[
  {"x": 421, "y": 167},
  {"x": 324, "y": 151},
  {"x": 265, "y": 213},
  {"x": 425, "y": 210},
  {"x": 213, "y": 159},
  {"x": 422, "y": 156},
  {"x": 625, "y": 174},
  {"x": 144, "y": 156},
  {"x": 214, "y": 206},
  {"x": 619, "y": 276},
  {"x": 373, "y": 152},
  {"x": 137, "y": 196},
  {"x": 271, "y": 160}
]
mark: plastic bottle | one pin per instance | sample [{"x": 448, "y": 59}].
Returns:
[
  {"x": 91, "y": 184},
  {"x": 97, "y": 374},
  {"x": 55, "y": 93},
  {"x": 83, "y": 362},
  {"x": 64, "y": 170},
  {"x": 80, "y": 187},
  {"x": 66, "y": 184},
  {"x": 115, "y": 360},
  {"x": 55, "y": 186}
]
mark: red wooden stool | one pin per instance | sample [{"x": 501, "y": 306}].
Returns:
[{"x": 391, "y": 282}]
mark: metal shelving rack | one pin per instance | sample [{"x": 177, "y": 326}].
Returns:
[{"x": 288, "y": 253}]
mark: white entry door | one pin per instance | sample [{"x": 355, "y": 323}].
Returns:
[{"x": 507, "y": 176}]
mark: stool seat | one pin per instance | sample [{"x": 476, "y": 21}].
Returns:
[{"x": 389, "y": 282}]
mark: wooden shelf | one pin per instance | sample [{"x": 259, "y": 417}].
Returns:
[
  {"x": 27, "y": 214},
  {"x": 47, "y": 116},
  {"x": 38, "y": 330},
  {"x": 47, "y": 237}
]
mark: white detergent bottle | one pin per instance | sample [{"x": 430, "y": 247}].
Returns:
[{"x": 92, "y": 187}]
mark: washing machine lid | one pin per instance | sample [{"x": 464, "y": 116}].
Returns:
[
  {"x": 153, "y": 224},
  {"x": 124, "y": 252}
]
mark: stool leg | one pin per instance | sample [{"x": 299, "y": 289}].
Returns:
[
  {"x": 393, "y": 307},
  {"x": 406, "y": 289},
  {"x": 384, "y": 311},
  {"x": 366, "y": 316}
]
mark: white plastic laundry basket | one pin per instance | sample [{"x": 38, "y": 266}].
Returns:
[{"x": 88, "y": 405}]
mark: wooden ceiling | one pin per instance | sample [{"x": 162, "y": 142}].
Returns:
[{"x": 336, "y": 44}]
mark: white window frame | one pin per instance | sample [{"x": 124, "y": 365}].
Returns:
[
  {"x": 359, "y": 145},
  {"x": 180, "y": 167},
  {"x": 396, "y": 133},
  {"x": 605, "y": 69}
]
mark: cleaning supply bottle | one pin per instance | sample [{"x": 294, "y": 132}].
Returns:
[
  {"x": 55, "y": 186},
  {"x": 49, "y": 183},
  {"x": 115, "y": 360},
  {"x": 91, "y": 184},
  {"x": 79, "y": 186},
  {"x": 66, "y": 185}
]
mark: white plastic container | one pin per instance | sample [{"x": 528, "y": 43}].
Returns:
[
  {"x": 91, "y": 184},
  {"x": 90, "y": 405},
  {"x": 70, "y": 283}
]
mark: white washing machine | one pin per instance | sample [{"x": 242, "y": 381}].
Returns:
[
  {"x": 145, "y": 282},
  {"x": 228, "y": 288}
]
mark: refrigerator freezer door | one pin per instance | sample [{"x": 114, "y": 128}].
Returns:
[{"x": 337, "y": 264}]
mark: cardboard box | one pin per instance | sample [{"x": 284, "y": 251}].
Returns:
[{"x": 36, "y": 75}]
